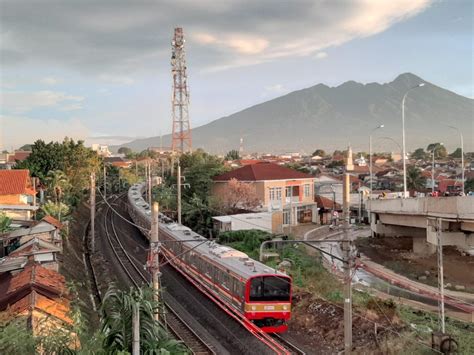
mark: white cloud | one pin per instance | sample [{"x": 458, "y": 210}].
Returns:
[
  {"x": 49, "y": 80},
  {"x": 272, "y": 90},
  {"x": 21, "y": 101},
  {"x": 321, "y": 55},
  {"x": 18, "y": 130},
  {"x": 116, "y": 79}
]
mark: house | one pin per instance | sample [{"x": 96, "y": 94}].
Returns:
[
  {"x": 118, "y": 162},
  {"x": 326, "y": 208},
  {"x": 17, "y": 156},
  {"x": 48, "y": 230},
  {"x": 17, "y": 194},
  {"x": 101, "y": 149},
  {"x": 279, "y": 189},
  {"x": 42, "y": 252},
  {"x": 37, "y": 296}
]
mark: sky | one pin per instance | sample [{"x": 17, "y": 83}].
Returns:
[{"x": 100, "y": 70}]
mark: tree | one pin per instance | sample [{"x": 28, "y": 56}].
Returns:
[
  {"x": 26, "y": 148},
  {"x": 319, "y": 152},
  {"x": 419, "y": 154},
  {"x": 456, "y": 154},
  {"x": 469, "y": 185},
  {"x": 239, "y": 195},
  {"x": 5, "y": 223},
  {"x": 439, "y": 149},
  {"x": 117, "y": 311},
  {"x": 125, "y": 150},
  {"x": 415, "y": 180},
  {"x": 56, "y": 210},
  {"x": 232, "y": 155},
  {"x": 57, "y": 183}
]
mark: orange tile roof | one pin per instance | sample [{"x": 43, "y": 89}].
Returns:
[
  {"x": 15, "y": 182},
  {"x": 32, "y": 276},
  {"x": 53, "y": 221},
  {"x": 326, "y": 203}
]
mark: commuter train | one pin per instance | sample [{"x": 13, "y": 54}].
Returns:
[{"x": 261, "y": 294}]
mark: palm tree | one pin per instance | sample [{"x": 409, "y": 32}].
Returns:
[
  {"x": 117, "y": 310},
  {"x": 57, "y": 183},
  {"x": 415, "y": 181}
]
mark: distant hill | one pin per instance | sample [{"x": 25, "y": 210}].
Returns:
[{"x": 331, "y": 117}]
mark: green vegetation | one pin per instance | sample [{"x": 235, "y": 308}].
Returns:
[
  {"x": 456, "y": 154},
  {"x": 419, "y": 154},
  {"x": 439, "y": 150},
  {"x": 319, "y": 152},
  {"x": 232, "y": 155},
  {"x": 247, "y": 241},
  {"x": 125, "y": 150},
  {"x": 5, "y": 223},
  {"x": 415, "y": 181},
  {"x": 114, "y": 335},
  {"x": 469, "y": 185}
]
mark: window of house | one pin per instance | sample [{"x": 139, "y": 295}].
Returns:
[
  {"x": 275, "y": 193},
  {"x": 288, "y": 191},
  {"x": 286, "y": 217},
  {"x": 307, "y": 190}
]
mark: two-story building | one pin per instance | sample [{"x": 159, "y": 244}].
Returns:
[
  {"x": 280, "y": 190},
  {"x": 17, "y": 194}
]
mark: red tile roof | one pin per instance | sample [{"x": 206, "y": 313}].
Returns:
[
  {"x": 262, "y": 171},
  {"x": 20, "y": 156},
  {"x": 15, "y": 182},
  {"x": 33, "y": 276},
  {"x": 326, "y": 203},
  {"x": 243, "y": 162},
  {"x": 53, "y": 221}
]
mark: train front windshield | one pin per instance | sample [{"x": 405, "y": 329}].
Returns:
[{"x": 269, "y": 288}]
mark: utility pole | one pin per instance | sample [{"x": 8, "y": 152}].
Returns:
[
  {"x": 136, "y": 168},
  {"x": 92, "y": 198},
  {"x": 150, "y": 195},
  {"x": 154, "y": 262},
  {"x": 440, "y": 274},
  {"x": 346, "y": 250},
  {"x": 178, "y": 186},
  {"x": 105, "y": 183},
  {"x": 136, "y": 328}
]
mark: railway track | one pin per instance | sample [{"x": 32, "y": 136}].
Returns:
[
  {"x": 138, "y": 277},
  {"x": 290, "y": 347}
]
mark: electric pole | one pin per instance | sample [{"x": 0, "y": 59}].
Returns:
[
  {"x": 178, "y": 186},
  {"x": 92, "y": 198},
  {"x": 105, "y": 183},
  {"x": 136, "y": 328},
  {"x": 440, "y": 275},
  {"x": 346, "y": 250},
  {"x": 154, "y": 262},
  {"x": 149, "y": 184}
]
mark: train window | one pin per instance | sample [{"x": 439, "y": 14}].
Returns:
[{"x": 269, "y": 288}]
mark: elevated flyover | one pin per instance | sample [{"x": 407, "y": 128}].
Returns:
[{"x": 417, "y": 217}]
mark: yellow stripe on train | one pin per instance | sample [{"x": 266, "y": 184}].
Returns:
[{"x": 269, "y": 307}]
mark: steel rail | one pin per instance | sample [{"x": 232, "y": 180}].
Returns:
[{"x": 177, "y": 326}]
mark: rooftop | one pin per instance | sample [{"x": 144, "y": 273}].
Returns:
[
  {"x": 261, "y": 172},
  {"x": 15, "y": 182}
]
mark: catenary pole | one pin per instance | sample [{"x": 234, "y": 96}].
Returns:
[
  {"x": 136, "y": 328},
  {"x": 92, "y": 200},
  {"x": 178, "y": 186},
  {"x": 346, "y": 249},
  {"x": 154, "y": 255}
]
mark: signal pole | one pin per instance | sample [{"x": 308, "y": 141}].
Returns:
[
  {"x": 153, "y": 258},
  {"x": 149, "y": 184},
  {"x": 346, "y": 250},
  {"x": 92, "y": 198},
  {"x": 440, "y": 275}
]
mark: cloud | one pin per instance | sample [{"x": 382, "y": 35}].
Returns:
[
  {"x": 18, "y": 130},
  {"x": 96, "y": 37},
  {"x": 21, "y": 101},
  {"x": 116, "y": 79},
  {"x": 49, "y": 80},
  {"x": 321, "y": 55},
  {"x": 272, "y": 90}
]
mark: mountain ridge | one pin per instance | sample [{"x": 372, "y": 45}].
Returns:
[{"x": 327, "y": 117}]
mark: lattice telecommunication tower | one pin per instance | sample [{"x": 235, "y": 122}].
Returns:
[{"x": 181, "y": 138}]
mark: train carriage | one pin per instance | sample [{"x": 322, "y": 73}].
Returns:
[{"x": 261, "y": 294}]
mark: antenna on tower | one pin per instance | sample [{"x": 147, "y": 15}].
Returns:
[
  {"x": 241, "y": 148},
  {"x": 181, "y": 137}
]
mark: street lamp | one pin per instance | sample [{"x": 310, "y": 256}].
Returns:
[
  {"x": 370, "y": 166},
  {"x": 432, "y": 168},
  {"x": 403, "y": 139},
  {"x": 462, "y": 155}
]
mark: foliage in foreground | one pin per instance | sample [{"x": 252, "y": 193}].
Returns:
[{"x": 113, "y": 337}]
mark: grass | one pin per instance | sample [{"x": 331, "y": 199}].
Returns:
[{"x": 310, "y": 275}]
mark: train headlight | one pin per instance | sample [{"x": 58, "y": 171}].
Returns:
[
  {"x": 254, "y": 308},
  {"x": 285, "y": 308}
]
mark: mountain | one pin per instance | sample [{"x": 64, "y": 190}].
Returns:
[{"x": 332, "y": 117}]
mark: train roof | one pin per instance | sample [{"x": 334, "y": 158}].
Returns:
[{"x": 229, "y": 258}]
